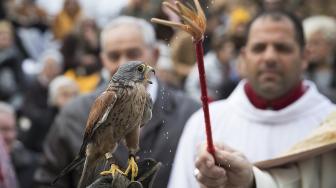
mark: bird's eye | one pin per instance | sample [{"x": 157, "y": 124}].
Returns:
[{"x": 141, "y": 68}]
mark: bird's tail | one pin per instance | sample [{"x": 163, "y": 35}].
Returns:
[
  {"x": 88, "y": 172},
  {"x": 76, "y": 162}
]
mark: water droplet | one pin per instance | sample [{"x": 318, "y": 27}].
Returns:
[
  {"x": 150, "y": 151},
  {"x": 167, "y": 132},
  {"x": 170, "y": 151},
  {"x": 162, "y": 107}
]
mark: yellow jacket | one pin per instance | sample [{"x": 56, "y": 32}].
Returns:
[
  {"x": 64, "y": 24},
  {"x": 86, "y": 83}
]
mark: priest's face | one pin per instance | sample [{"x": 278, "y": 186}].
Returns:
[{"x": 273, "y": 57}]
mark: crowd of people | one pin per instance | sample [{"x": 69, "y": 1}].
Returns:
[{"x": 271, "y": 76}]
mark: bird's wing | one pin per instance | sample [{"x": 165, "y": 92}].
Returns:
[
  {"x": 98, "y": 114},
  {"x": 147, "y": 115}
]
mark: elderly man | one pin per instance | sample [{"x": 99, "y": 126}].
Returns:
[
  {"x": 268, "y": 112},
  {"x": 12, "y": 152},
  {"x": 320, "y": 32},
  {"x": 124, "y": 39}
]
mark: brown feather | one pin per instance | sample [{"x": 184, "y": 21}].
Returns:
[
  {"x": 116, "y": 113},
  {"x": 98, "y": 109}
]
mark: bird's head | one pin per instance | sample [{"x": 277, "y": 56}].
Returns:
[{"x": 134, "y": 71}]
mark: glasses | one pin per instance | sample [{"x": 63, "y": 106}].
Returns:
[{"x": 130, "y": 54}]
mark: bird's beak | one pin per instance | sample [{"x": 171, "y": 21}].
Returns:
[{"x": 147, "y": 73}]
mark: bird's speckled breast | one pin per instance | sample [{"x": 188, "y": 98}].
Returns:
[
  {"x": 126, "y": 115},
  {"x": 127, "y": 112}
]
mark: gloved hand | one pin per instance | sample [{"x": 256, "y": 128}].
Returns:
[{"x": 148, "y": 169}]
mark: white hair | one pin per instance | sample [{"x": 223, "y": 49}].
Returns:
[
  {"x": 6, "y": 108},
  {"x": 145, "y": 27},
  {"x": 56, "y": 84},
  {"x": 324, "y": 24},
  {"x": 53, "y": 54}
]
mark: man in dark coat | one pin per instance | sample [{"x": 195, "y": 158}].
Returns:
[{"x": 124, "y": 39}]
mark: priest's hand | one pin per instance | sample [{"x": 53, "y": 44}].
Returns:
[{"x": 229, "y": 169}]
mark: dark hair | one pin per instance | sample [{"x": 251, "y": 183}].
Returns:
[
  {"x": 277, "y": 16},
  {"x": 220, "y": 39}
]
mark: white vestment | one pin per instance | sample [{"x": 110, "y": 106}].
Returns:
[{"x": 258, "y": 134}]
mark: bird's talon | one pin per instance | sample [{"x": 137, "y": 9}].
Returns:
[
  {"x": 113, "y": 170},
  {"x": 133, "y": 167}
]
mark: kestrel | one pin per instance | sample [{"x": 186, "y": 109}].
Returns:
[{"x": 117, "y": 113}]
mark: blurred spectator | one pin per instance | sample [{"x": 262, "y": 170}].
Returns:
[
  {"x": 3, "y": 10},
  {"x": 183, "y": 55},
  {"x": 51, "y": 63},
  {"x": 88, "y": 33},
  {"x": 216, "y": 20},
  {"x": 320, "y": 32},
  {"x": 103, "y": 10},
  {"x": 165, "y": 70},
  {"x": 140, "y": 8},
  {"x": 11, "y": 74},
  {"x": 23, "y": 160},
  {"x": 35, "y": 105},
  {"x": 162, "y": 32},
  {"x": 288, "y": 5},
  {"x": 228, "y": 16},
  {"x": 52, "y": 8},
  {"x": 238, "y": 19},
  {"x": 273, "y": 5},
  {"x": 8, "y": 125},
  {"x": 7, "y": 174},
  {"x": 31, "y": 27},
  {"x": 220, "y": 69},
  {"x": 306, "y": 8},
  {"x": 81, "y": 54},
  {"x": 61, "y": 90},
  {"x": 87, "y": 72},
  {"x": 65, "y": 21},
  {"x": 69, "y": 47},
  {"x": 26, "y": 13}
]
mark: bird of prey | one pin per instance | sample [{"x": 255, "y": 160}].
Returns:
[{"x": 117, "y": 113}]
